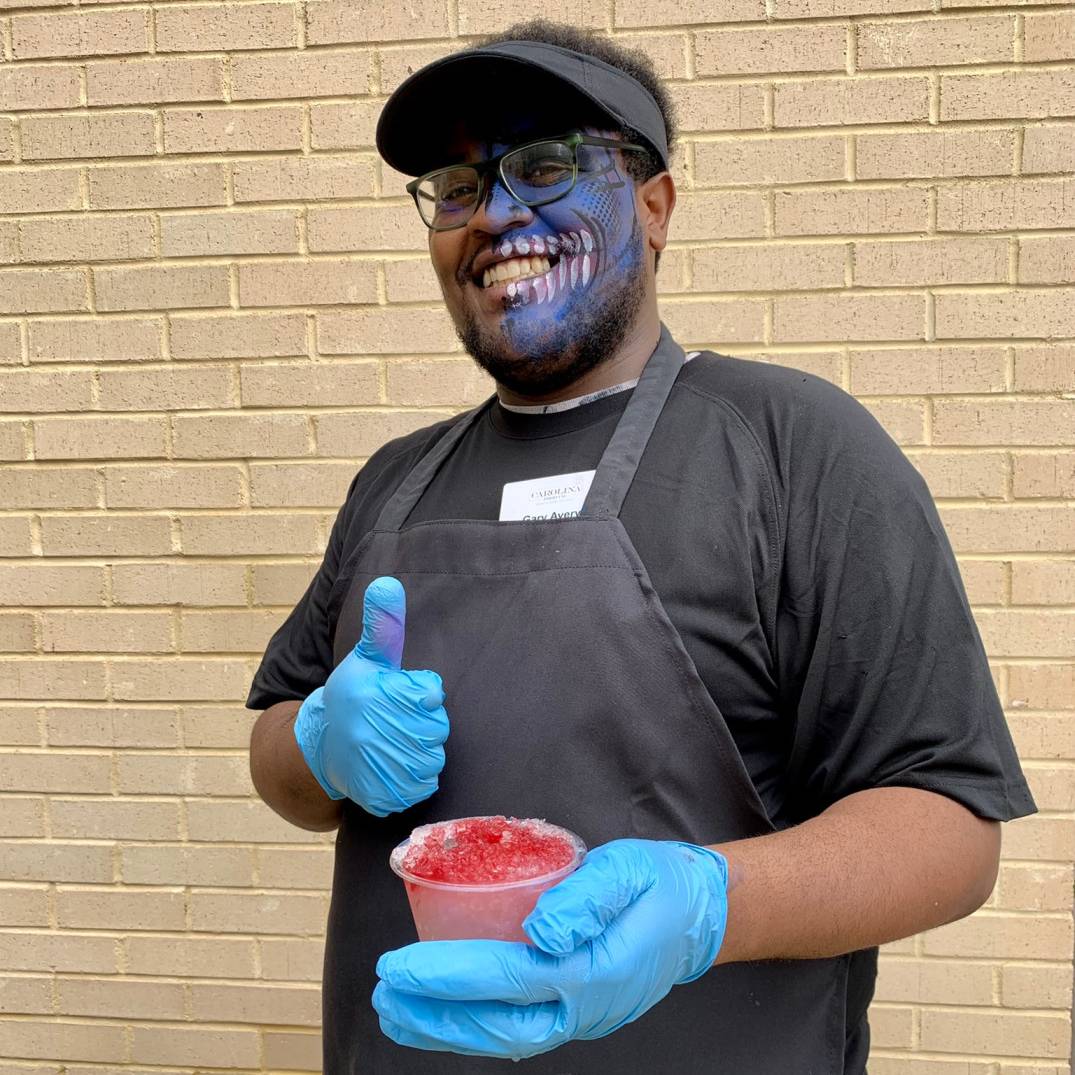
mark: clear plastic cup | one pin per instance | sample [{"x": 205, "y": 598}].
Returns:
[{"x": 444, "y": 911}]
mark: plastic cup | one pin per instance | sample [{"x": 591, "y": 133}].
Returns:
[{"x": 445, "y": 911}]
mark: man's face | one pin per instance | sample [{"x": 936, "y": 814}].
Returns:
[{"x": 540, "y": 296}]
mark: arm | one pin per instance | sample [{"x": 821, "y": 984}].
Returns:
[
  {"x": 876, "y": 866},
  {"x": 281, "y": 776}
]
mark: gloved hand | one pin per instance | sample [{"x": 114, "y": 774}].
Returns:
[
  {"x": 636, "y": 918},
  {"x": 374, "y": 733}
]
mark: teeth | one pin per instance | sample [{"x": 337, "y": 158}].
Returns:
[
  {"x": 512, "y": 289},
  {"x": 505, "y": 249},
  {"x": 539, "y": 289},
  {"x": 550, "y": 283},
  {"x": 514, "y": 268},
  {"x": 522, "y": 246},
  {"x": 585, "y": 269},
  {"x": 539, "y": 245},
  {"x": 587, "y": 240},
  {"x": 563, "y": 271},
  {"x": 554, "y": 244},
  {"x": 574, "y": 271}
]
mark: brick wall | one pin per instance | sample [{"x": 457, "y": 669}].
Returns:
[{"x": 215, "y": 303}]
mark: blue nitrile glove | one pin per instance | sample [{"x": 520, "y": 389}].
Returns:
[
  {"x": 636, "y": 918},
  {"x": 374, "y": 733}
]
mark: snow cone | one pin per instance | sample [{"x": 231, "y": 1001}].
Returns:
[{"x": 479, "y": 877}]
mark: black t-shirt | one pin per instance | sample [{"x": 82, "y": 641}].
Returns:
[{"x": 798, "y": 554}]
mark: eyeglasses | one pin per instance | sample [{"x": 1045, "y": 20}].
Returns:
[{"x": 535, "y": 173}]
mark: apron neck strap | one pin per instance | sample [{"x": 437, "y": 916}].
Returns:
[{"x": 618, "y": 465}]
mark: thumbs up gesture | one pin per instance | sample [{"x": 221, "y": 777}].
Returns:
[{"x": 375, "y": 733}]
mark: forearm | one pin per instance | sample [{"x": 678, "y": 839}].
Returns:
[
  {"x": 281, "y": 776},
  {"x": 876, "y": 866}
]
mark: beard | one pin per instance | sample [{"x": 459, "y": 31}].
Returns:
[{"x": 556, "y": 354}]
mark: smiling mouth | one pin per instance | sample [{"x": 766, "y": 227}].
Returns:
[{"x": 537, "y": 267}]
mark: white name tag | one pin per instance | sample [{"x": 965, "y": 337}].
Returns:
[{"x": 559, "y": 496}]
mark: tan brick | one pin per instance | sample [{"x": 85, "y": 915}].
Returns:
[
  {"x": 45, "y": 584},
  {"x": 359, "y": 435},
  {"x": 222, "y": 436},
  {"x": 216, "y": 957},
  {"x": 62, "y": 1041},
  {"x": 290, "y": 1051},
  {"x": 1011, "y": 205},
  {"x": 310, "y": 283},
  {"x": 1047, "y": 260},
  {"x": 161, "y": 287},
  {"x": 936, "y": 42},
  {"x": 412, "y": 280},
  {"x": 983, "y": 581},
  {"x": 388, "y": 227},
  {"x": 16, "y": 632},
  {"x": 166, "y": 389},
  {"x": 34, "y": 679},
  {"x": 231, "y": 130},
  {"x": 295, "y": 867},
  {"x": 1043, "y": 475},
  {"x": 922, "y": 154},
  {"x": 106, "y": 535},
  {"x": 772, "y": 267},
  {"x": 300, "y": 179},
  {"x": 7, "y": 153},
  {"x": 291, "y": 959},
  {"x": 927, "y": 370},
  {"x": 113, "y": 726},
  {"x": 184, "y": 865},
  {"x": 670, "y": 12},
  {"x": 180, "y": 679},
  {"x": 24, "y": 906},
  {"x": 760, "y": 51},
  {"x": 31, "y": 190},
  {"x": 384, "y": 330},
  {"x": 1047, "y": 313},
  {"x": 936, "y": 982},
  {"x": 1018, "y": 528},
  {"x": 1035, "y": 887},
  {"x": 24, "y": 291},
  {"x": 1002, "y": 421},
  {"x": 769, "y": 160},
  {"x": 13, "y": 440},
  {"x": 999, "y": 936},
  {"x": 931, "y": 261},
  {"x": 155, "y": 186},
  {"x": 903, "y": 419},
  {"x": 56, "y": 861},
  {"x": 95, "y": 340},
  {"x": 10, "y": 344},
  {"x": 332, "y": 21},
  {"x": 155, "y": 81},
  {"x": 1050, "y": 839},
  {"x": 262, "y": 533},
  {"x": 54, "y": 772},
  {"x": 299, "y": 485},
  {"x": 137, "y": 999},
  {"x": 309, "y": 74},
  {"x": 18, "y": 727},
  {"x": 221, "y": 1047},
  {"x": 962, "y": 474},
  {"x": 715, "y": 324},
  {"x": 16, "y": 537},
  {"x": 349, "y": 125},
  {"x": 1048, "y": 37},
  {"x": 825, "y": 364},
  {"x": 238, "y": 336},
  {"x": 1023, "y": 94},
  {"x": 718, "y": 106},
  {"x": 1042, "y": 686},
  {"x": 99, "y": 438},
  {"x": 80, "y": 33},
  {"x": 891, "y": 1027},
  {"x": 27, "y": 996},
  {"x": 9, "y": 230},
  {"x": 476, "y": 17},
  {"x": 198, "y": 584},
  {"x": 142, "y": 774},
  {"x": 33, "y": 86},
  {"x": 311, "y": 384},
  {"x": 842, "y": 101},
  {"x": 1035, "y": 987},
  {"x": 106, "y": 632},
  {"x": 188, "y": 486},
  {"x": 97, "y": 134},
  {"x": 48, "y": 487},
  {"x": 257, "y": 1003},
  {"x": 273, "y": 231},
  {"x": 849, "y": 317},
  {"x": 279, "y": 584},
  {"x": 89, "y": 908},
  {"x": 225, "y": 28},
  {"x": 249, "y": 912},
  {"x": 227, "y": 727},
  {"x": 228, "y": 632},
  {"x": 106, "y": 819},
  {"x": 86, "y": 239},
  {"x": 1044, "y": 736},
  {"x": 1048, "y": 147},
  {"x": 666, "y": 51},
  {"x": 244, "y": 822},
  {"x": 1052, "y": 789},
  {"x": 997, "y": 1032},
  {"x": 838, "y": 212},
  {"x": 909, "y": 1065}
]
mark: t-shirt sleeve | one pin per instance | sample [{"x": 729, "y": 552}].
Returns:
[{"x": 879, "y": 656}]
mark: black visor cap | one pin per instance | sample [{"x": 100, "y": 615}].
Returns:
[{"x": 485, "y": 89}]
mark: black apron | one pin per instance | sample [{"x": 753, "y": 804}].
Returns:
[{"x": 571, "y": 697}]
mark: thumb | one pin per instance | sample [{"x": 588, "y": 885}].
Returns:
[
  {"x": 384, "y": 615},
  {"x": 579, "y": 908}
]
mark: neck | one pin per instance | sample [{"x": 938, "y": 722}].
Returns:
[{"x": 625, "y": 364}]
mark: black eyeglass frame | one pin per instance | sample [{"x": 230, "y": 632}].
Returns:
[{"x": 574, "y": 139}]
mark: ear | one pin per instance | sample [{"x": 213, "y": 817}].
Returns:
[{"x": 656, "y": 198}]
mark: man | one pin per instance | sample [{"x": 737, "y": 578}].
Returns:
[{"x": 735, "y": 655}]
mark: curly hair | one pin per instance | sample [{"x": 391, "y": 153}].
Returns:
[{"x": 640, "y": 166}]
